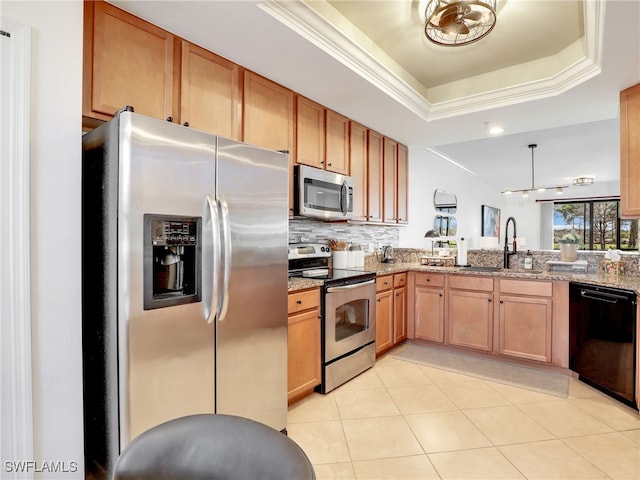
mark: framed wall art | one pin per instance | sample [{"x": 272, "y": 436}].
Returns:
[{"x": 490, "y": 221}]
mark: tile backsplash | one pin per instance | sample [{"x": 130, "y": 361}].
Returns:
[{"x": 305, "y": 230}]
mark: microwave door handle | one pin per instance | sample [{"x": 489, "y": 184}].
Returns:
[
  {"x": 210, "y": 304},
  {"x": 225, "y": 237},
  {"x": 344, "y": 198}
]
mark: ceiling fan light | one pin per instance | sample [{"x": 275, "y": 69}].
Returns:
[
  {"x": 540, "y": 189},
  {"x": 453, "y": 23}
]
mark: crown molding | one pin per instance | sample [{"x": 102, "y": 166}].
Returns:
[{"x": 310, "y": 24}]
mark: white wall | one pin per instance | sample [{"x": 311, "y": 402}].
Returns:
[
  {"x": 56, "y": 116},
  {"x": 429, "y": 172}
]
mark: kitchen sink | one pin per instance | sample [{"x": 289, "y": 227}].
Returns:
[{"x": 478, "y": 268}]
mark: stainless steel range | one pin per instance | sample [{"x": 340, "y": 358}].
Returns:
[{"x": 348, "y": 313}]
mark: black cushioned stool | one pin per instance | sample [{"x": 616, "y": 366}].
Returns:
[{"x": 213, "y": 447}]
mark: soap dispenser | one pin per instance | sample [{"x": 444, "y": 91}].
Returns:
[{"x": 528, "y": 261}]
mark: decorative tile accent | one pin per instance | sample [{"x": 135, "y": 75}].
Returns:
[{"x": 306, "y": 230}]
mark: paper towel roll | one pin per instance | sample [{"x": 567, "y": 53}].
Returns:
[{"x": 462, "y": 252}]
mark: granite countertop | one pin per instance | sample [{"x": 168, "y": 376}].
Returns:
[{"x": 627, "y": 282}]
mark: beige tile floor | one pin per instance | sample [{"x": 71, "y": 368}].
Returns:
[{"x": 401, "y": 420}]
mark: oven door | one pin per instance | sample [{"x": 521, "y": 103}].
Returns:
[{"x": 349, "y": 318}]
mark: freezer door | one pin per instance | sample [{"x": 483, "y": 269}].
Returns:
[
  {"x": 251, "y": 339},
  {"x": 166, "y": 352}
]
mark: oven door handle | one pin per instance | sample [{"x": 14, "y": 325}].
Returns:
[{"x": 349, "y": 287}]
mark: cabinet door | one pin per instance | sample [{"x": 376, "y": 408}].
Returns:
[
  {"x": 390, "y": 156},
  {"x": 470, "y": 319},
  {"x": 267, "y": 114},
  {"x": 384, "y": 321},
  {"x": 310, "y": 133},
  {"x": 630, "y": 152},
  {"x": 304, "y": 369},
  {"x": 375, "y": 149},
  {"x": 429, "y": 314},
  {"x": 402, "y": 192},
  {"x": 209, "y": 92},
  {"x": 525, "y": 327},
  {"x": 399, "y": 315},
  {"x": 127, "y": 62},
  {"x": 337, "y": 143},
  {"x": 358, "y": 167},
  {"x": 267, "y": 119}
]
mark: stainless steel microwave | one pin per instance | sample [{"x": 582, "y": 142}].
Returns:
[{"x": 321, "y": 194}]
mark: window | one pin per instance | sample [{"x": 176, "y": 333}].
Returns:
[{"x": 597, "y": 223}]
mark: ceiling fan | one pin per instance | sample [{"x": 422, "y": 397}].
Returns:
[{"x": 459, "y": 22}]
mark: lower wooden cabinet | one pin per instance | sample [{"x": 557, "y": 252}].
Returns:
[
  {"x": 470, "y": 312},
  {"x": 391, "y": 311},
  {"x": 524, "y": 325},
  {"x": 304, "y": 348},
  {"x": 399, "y": 308},
  {"x": 429, "y": 306},
  {"x": 384, "y": 321}
]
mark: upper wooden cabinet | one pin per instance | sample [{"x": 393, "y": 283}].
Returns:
[
  {"x": 322, "y": 137},
  {"x": 268, "y": 114},
  {"x": 395, "y": 182},
  {"x": 336, "y": 142},
  {"x": 390, "y": 162},
  {"x": 127, "y": 61},
  {"x": 402, "y": 185},
  {"x": 358, "y": 167},
  {"x": 210, "y": 95},
  {"x": 630, "y": 152},
  {"x": 131, "y": 62},
  {"x": 268, "y": 119},
  {"x": 310, "y": 132},
  {"x": 375, "y": 187}
]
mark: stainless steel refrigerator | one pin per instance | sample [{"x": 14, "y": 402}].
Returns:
[{"x": 184, "y": 271}]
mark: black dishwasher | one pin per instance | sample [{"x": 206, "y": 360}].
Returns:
[{"x": 602, "y": 339}]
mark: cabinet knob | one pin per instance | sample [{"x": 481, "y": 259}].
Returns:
[
  {"x": 501, "y": 301},
  {"x": 490, "y": 300},
  {"x": 330, "y": 164},
  {"x": 169, "y": 119},
  {"x": 186, "y": 124},
  {"x": 428, "y": 279},
  {"x": 440, "y": 294},
  {"x": 378, "y": 300},
  {"x": 299, "y": 302}
]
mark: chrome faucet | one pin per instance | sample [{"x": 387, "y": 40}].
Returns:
[{"x": 507, "y": 253}]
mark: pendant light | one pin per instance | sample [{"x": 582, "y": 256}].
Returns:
[{"x": 525, "y": 191}]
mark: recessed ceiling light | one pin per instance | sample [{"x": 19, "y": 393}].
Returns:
[{"x": 495, "y": 130}]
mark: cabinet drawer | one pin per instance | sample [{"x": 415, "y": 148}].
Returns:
[
  {"x": 384, "y": 282},
  {"x": 300, "y": 301},
  {"x": 430, "y": 279},
  {"x": 399, "y": 280},
  {"x": 471, "y": 282},
  {"x": 526, "y": 287}
]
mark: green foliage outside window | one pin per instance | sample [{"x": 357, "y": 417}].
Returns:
[{"x": 596, "y": 223}]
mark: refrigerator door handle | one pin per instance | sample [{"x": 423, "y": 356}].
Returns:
[
  {"x": 225, "y": 237},
  {"x": 210, "y": 304}
]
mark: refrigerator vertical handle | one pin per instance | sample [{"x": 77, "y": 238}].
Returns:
[
  {"x": 225, "y": 237},
  {"x": 210, "y": 304}
]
